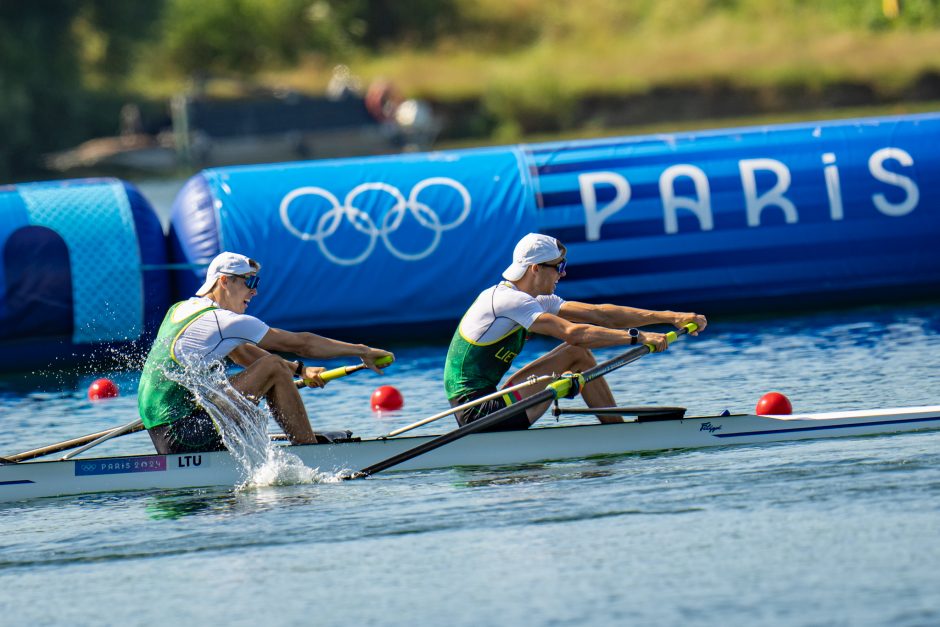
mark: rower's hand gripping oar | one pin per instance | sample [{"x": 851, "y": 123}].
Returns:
[
  {"x": 560, "y": 388},
  {"x": 328, "y": 375},
  {"x": 93, "y": 439}
]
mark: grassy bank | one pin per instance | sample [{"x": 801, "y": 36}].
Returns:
[
  {"x": 495, "y": 70},
  {"x": 718, "y": 49},
  {"x": 599, "y": 45},
  {"x": 523, "y": 67}
]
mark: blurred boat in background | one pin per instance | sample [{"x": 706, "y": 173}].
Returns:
[{"x": 257, "y": 125}]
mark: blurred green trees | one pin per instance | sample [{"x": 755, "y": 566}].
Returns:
[
  {"x": 66, "y": 66},
  {"x": 243, "y": 36},
  {"x": 58, "y": 58}
]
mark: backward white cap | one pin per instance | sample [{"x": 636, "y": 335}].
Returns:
[
  {"x": 531, "y": 250},
  {"x": 227, "y": 263}
]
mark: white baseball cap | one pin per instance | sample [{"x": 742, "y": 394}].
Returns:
[
  {"x": 531, "y": 250},
  {"x": 227, "y": 263}
]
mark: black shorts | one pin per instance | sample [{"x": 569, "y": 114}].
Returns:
[
  {"x": 516, "y": 422},
  {"x": 195, "y": 433}
]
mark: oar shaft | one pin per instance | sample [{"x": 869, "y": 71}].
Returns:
[
  {"x": 130, "y": 427},
  {"x": 342, "y": 371},
  {"x": 335, "y": 373},
  {"x": 65, "y": 445},
  {"x": 477, "y": 401},
  {"x": 496, "y": 417},
  {"x": 554, "y": 390}
]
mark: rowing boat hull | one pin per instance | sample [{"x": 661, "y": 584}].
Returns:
[{"x": 30, "y": 480}]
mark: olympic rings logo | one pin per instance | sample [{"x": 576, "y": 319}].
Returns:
[{"x": 333, "y": 218}]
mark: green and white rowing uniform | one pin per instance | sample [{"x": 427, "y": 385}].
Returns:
[
  {"x": 194, "y": 332},
  {"x": 490, "y": 335}
]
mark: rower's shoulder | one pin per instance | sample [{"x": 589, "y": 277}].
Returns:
[
  {"x": 189, "y": 307},
  {"x": 500, "y": 296}
]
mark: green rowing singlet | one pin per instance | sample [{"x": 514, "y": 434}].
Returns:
[
  {"x": 161, "y": 400},
  {"x": 471, "y": 366},
  {"x": 491, "y": 334}
]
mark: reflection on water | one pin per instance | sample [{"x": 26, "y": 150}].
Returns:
[
  {"x": 179, "y": 504},
  {"x": 481, "y": 477}
]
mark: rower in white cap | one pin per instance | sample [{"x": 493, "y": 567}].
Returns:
[
  {"x": 213, "y": 326},
  {"x": 493, "y": 332}
]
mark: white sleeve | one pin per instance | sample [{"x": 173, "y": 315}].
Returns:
[
  {"x": 525, "y": 310},
  {"x": 241, "y": 326},
  {"x": 550, "y": 303}
]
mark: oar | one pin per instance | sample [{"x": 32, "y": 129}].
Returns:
[
  {"x": 342, "y": 371},
  {"x": 93, "y": 439},
  {"x": 477, "y": 401},
  {"x": 556, "y": 389},
  {"x": 130, "y": 427}
]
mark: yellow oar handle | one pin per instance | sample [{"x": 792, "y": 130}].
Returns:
[
  {"x": 562, "y": 385},
  {"x": 336, "y": 373},
  {"x": 672, "y": 336},
  {"x": 342, "y": 371}
]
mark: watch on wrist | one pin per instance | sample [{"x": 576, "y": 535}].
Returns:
[
  {"x": 634, "y": 336},
  {"x": 300, "y": 368}
]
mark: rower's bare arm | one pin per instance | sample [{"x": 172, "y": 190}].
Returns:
[
  {"x": 312, "y": 345},
  {"x": 247, "y": 354},
  {"x": 620, "y": 317},
  {"x": 589, "y": 335}
]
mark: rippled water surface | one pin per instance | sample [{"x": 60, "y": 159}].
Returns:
[{"x": 825, "y": 532}]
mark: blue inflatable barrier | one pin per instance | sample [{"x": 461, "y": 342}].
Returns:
[
  {"x": 83, "y": 266},
  {"x": 359, "y": 242},
  {"x": 749, "y": 219},
  {"x": 744, "y": 220}
]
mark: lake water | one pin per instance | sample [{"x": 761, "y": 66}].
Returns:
[{"x": 826, "y": 532}]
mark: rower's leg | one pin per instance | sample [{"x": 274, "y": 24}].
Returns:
[
  {"x": 565, "y": 358},
  {"x": 273, "y": 378}
]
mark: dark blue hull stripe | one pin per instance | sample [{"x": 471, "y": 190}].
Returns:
[
  {"x": 16, "y": 482},
  {"x": 823, "y": 427}
]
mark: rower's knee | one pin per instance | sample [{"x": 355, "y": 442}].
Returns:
[
  {"x": 580, "y": 358},
  {"x": 274, "y": 368}
]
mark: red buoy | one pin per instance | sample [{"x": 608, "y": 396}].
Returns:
[
  {"x": 387, "y": 398},
  {"x": 773, "y": 403},
  {"x": 102, "y": 388}
]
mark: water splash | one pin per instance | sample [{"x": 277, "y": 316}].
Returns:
[{"x": 244, "y": 429}]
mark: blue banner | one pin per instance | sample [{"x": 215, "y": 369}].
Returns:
[
  {"x": 741, "y": 220},
  {"x": 818, "y": 211},
  {"x": 374, "y": 241}
]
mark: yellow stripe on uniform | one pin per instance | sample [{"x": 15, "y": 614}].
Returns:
[
  {"x": 196, "y": 316},
  {"x": 499, "y": 339}
]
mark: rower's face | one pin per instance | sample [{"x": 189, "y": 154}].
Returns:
[
  {"x": 237, "y": 294},
  {"x": 550, "y": 273}
]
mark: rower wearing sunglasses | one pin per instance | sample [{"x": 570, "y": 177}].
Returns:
[
  {"x": 493, "y": 332},
  {"x": 208, "y": 328}
]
